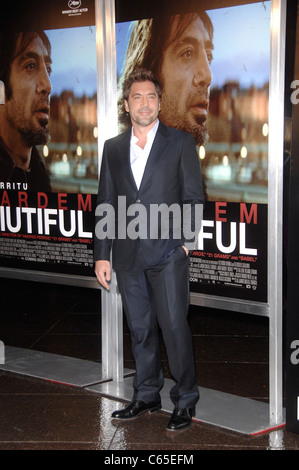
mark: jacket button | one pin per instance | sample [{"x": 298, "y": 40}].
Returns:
[{"x": 138, "y": 200}]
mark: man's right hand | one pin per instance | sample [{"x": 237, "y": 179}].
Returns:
[{"x": 103, "y": 272}]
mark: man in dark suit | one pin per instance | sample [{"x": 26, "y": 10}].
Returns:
[{"x": 146, "y": 167}]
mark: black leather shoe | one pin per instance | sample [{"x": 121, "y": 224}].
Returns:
[
  {"x": 136, "y": 408},
  {"x": 181, "y": 419}
]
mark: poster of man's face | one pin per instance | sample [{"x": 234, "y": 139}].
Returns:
[
  {"x": 24, "y": 113},
  {"x": 48, "y": 115},
  {"x": 214, "y": 70}
]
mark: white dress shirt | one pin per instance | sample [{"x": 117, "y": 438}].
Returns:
[{"x": 139, "y": 156}]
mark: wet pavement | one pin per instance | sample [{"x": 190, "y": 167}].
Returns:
[{"x": 231, "y": 351}]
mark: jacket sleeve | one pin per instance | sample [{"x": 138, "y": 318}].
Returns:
[
  {"x": 192, "y": 192},
  {"x": 105, "y": 211}
]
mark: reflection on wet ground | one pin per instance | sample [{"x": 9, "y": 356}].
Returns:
[{"x": 231, "y": 352}]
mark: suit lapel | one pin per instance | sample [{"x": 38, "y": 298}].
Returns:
[
  {"x": 159, "y": 145},
  {"x": 124, "y": 151}
]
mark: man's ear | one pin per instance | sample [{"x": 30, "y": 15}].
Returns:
[
  {"x": 126, "y": 106},
  {"x": 2, "y": 92}
]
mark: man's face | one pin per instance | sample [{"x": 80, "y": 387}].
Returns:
[
  {"x": 186, "y": 78},
  {"x": 27, "y": 111},
  {"x": 143, "y": 104}
]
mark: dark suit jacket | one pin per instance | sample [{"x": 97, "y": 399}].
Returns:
[
  {"x": 37, "y": 178},
  {"x": 172, "y": 176}
]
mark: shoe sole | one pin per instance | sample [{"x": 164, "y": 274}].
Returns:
[
  {"x": 183, "y": 427},
  {"x": 178, "y": 429},
  {"x": 151, "y": 411}
]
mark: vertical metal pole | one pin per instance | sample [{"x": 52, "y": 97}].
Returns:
[
  {"x": 106, "y": 72},
  {"x": 112, "y": 331},
  {"x": 116, "y": 352},
  {"x": 275, "y": 205},
  {"x": 107, "y": 369}
]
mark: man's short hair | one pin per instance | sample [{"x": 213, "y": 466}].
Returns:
[
  {"x": 10, "y": 49},
  {"x": 140, "y": 75}
]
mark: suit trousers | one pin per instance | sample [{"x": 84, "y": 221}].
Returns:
[{"x": 153, "y": 297}]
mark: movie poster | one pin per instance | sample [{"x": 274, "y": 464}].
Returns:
[
  {"x": 220, "y": 94},
  {"x": 48, "y": 137},
  {"x": 50, "y": 225}
]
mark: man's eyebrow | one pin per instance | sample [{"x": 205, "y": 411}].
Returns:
[
  {"x": 34, "y": 55},
  {"x": 208, "y": 44}
]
